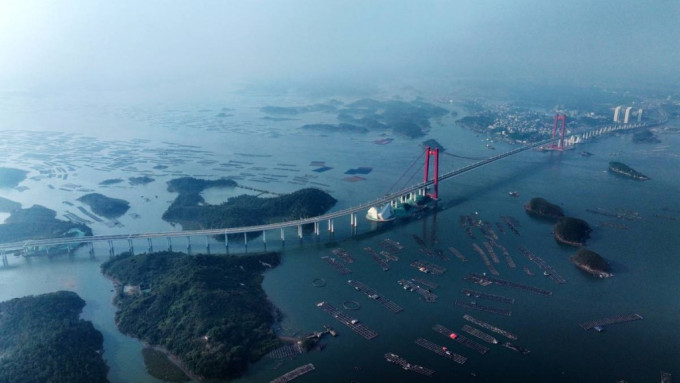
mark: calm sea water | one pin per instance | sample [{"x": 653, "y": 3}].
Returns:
[{"x": 643, "y": 254}]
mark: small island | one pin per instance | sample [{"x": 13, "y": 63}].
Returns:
[
  {"x": 208, "y": 311},
  {"x": 592, "y": 263},
  {"x": 540, "y": 207},
  {"x": 625, "y": 170},
  {"x": 44, "y": 340},
  {"x": 140, "y": 180},
  {"x": 111, "y": 181},
  {"x": 38, "y": 222},
  {"x": 190, "y": 210},
  {"x": 105, "y": 206},
  {"x": 10, "y": 177},
  {"x": 572, "y": 231}
]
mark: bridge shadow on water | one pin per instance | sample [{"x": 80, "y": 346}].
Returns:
[{"x": 504, "y": 182}]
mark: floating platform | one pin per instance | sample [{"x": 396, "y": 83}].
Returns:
[
  {"x": 480, "y": 334},
  {"x": 342, "y": 269},
  {"x": 543, "y": 265},
  {"x": 406, "y": 365},
  {"x": 517, "y": 348},
  {"x": 343, "y": 254},
  {"x": 352, "y": 323},
  {"x": 610, "y": 320},
  {"x": 391, "y": 245},
  {"x": 428, "y": 268},
  {"x": 477, "y": 278},
  {"x": 287, "y": 377},
  {"x": 458, "y": 254},
  {"x": 493, "y": 310},
  {"x": 485, "y": 259},
  {"x": 490, "y": 327},
  {"x": 395, "y": 308},
  {"x": 491, "y": 297},
  {"x": 461, "y": 339},
  {"x": 440, "y": 350},
  {"x": 377, "y": 258},
  {"x": 425, "y": 282},
  {"x": 412, "y": 286}
]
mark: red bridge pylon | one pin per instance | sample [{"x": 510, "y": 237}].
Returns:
[
  {"x": 432, "y": 152},
  {"x": 560, "y": 144}
]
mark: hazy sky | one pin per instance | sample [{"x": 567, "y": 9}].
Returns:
[{"x": 92, "y": 44}]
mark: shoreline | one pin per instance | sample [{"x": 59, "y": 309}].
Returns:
[
  {"x": 591, "y": 271},
  {"x": 174, "y": 359},
  {"x": 561, "y": 240}
]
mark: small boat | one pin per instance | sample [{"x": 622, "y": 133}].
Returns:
[{"x": 513, "y": 194}]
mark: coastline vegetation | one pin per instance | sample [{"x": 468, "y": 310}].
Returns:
[
  {"x": 42, "y": 339},
  {"x": 105, "y": 206},
  {"x": 209, "y": 311},
  {"x": 625, "y": 170},
  {"x": 591, "y": 262},
  {"x": 190, "y": 210},
  {"x": 37, "y": 222},
  {"x": 540, "y": 207},
  {"x": 572, "y": 231}
]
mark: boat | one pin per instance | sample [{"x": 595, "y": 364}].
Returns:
[{"x": 513, "y": 194}]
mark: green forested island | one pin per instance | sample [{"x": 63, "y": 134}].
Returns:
[
  {"x": 210, "y": 311},
  {"x": 572, "y": 231},
  {"x": 592, "y": 263},
  {"x": 540, "y": 207},
  {"x": 42, "y": 339},
  {"x": 38, "y": 222},
  {"x": 190, "y": 210},
  {"x": 625, "y": 170},
  {"x": 105, "y": 206}
]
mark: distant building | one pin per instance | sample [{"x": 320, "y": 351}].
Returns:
[
  {"x": 617, "y": 112},
  {"x": 626, "y": 117}
]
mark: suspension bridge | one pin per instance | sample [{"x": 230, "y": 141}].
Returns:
[{"x": 328, "y": 220}]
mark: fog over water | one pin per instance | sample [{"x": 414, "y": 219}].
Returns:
[{"x": 204, "y": 47}]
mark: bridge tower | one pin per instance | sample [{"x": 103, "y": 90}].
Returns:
[
  {"x": 432, "y": 152},
  {"x": 560, "y": 144}
]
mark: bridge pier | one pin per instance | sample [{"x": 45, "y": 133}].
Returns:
[
  {"x": 245, "y": 241},
  {"x": 299, "y": 228},
  {"x": 148, "y": 240},
  {"x": 5, "y": 262},
  {"x": 91, "y": 249},
  {"x": 169, "y": 244},
  {"x": 207, "y": 244},
  {"x": 264, "y": 239},
  {"x": 331, "y": 227},
  {"x": 316, "y": 229},
  {"x": 130, "y": 247},
  {"x": 111, "y": 252},
  {"x": 226, "y": 243},
  {"x": 188, "y": 244},
  {"x": 283, "y": 238}
]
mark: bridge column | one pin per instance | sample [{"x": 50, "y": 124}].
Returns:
[
  {"x": 264, "y": 239},
  {"x": 316, "y": 229},
  {"x": 331, "y": 226},
  {"x": 300, "y": 232},
  {"x": 91, "y": 249},
  {"x": 169, "y": 244},
  {"x": 207, "y": 244},
  {"x": 5, "y": 262},
  {"x": 148, "y": 240},
  {"x": 111, "y": 248},
  {"x": 283, "y": 238},
  {"x": 245, "y": 241},
  {"x": 188, "y": 244},
  {"x": 130, "y": 247}
]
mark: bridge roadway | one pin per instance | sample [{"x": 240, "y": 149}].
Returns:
[{"x": 352, "y": 211}]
